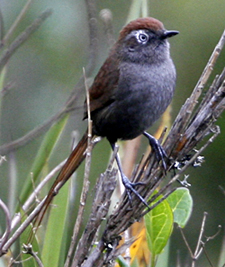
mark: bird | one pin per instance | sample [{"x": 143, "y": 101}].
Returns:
[{"x": 132, "y": 89}]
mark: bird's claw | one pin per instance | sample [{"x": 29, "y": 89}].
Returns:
[
  {"x": 130, "y": 188},
  {"x": 158, "y": 149}
]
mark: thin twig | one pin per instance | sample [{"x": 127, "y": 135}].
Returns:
[
  {"x": 186, "y": 242},
  {"x": 198, "y": 247},
  {"x": 186, "y": 110},
  {"x": 202, "y": 244},
  {"x": 93, "y": 29},
  {"x": 207, "y": 71},
  {"x": 36, "y": 191},
  {"x": 12, "y": 181},
  {"x": 215, "y": 235},
  {"x": 106, "y": 16},
  {"x": 29, "y": 250},
  {"x": 7, "y": 232},
  {"x": 38, "y": 188},
  {"x": 22, "y": 227},
  {"x": 88, "y": 105},
  {"x": 16, "y": 23},
  {"x": 101, "y": 203},
  {"x": 86, "y": 181},
  {"x": 207, "y": 256},
  {"x": 5, "y": 149},
  {"x": 23, "y": 37},
  {"x": 6, "y": 89}
]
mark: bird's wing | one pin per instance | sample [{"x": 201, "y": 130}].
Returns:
[{"x": 102, "y": 91}]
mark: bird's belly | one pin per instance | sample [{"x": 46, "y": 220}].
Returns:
[{"x": 126, "y": 119}]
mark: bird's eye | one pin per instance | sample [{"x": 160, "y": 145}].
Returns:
[{"x": 143, "y": 38}]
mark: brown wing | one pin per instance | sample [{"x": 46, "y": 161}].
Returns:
[{"x": 105, "y": 83}]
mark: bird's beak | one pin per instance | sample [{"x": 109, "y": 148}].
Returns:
[{"x": 168, "y": 34}]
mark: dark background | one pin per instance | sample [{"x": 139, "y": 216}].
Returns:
[{"x": 46, "y": 68}]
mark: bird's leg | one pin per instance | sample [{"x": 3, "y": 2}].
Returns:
[
  {"x": 126, "y": 182},
  {"x": 158, "y": 149}
]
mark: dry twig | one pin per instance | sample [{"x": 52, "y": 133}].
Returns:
[
  {"x": 23, "y": 37},
  {"x": 200, "y": 247}
]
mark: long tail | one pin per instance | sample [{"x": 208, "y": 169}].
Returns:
[{"x": 72, "y": 163}]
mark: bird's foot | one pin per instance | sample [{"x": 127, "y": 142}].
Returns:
[
  {"x": 158, "y": 149},
  {"x": 130, "y": 187}
]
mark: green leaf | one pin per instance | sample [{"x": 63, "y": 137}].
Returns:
[
  {"x": 40, "y": 162},
  {"x": 138, "y": 9},
  {"x": 163, "y": 258},
  {"x": 42, "y": 156},
  {"x": 181, "y": 204},
  {"x": 159, "y": 225},
  {"x": 121, "y": 261},
  {"x": 53, "y": 250},
  {"x": 134, "y": 11}
]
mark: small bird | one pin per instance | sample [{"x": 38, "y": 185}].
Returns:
[{"x": 132, "y": 89}]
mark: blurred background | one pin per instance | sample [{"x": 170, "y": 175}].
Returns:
[{"x": 44, "y": 71}]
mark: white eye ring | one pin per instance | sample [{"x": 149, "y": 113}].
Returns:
[{"x": 143, "y": 38}]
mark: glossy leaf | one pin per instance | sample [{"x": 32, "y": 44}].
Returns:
[
  {"x": 42, "y": 156},
  {"x": 159, "y": 225},
  {"x": 53, "y": 250},
  {"x": 181, "y": 204},
  {"x": 121, "y": 261}
]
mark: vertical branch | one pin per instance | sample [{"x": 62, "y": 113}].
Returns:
[
  {"x": 88, "y": 106},
  {"x": 12, "y": 181},
  {"x": 92, "y": 23},
  {"x": 107, "y": 17},
  {"x": 201, "y": 234},
  {"x": 86, "y": 182}
]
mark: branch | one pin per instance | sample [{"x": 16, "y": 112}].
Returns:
[
  {"x": 187, "y": 109},
  {"x": 15, "y": 24},
  {"x": 23, "y": 37},
  {"x": 5, "y": 149},
  {"x": 104, "y": 189},
  {"x": 200, "y": 247},
  {"x": 28, "y": 250},
  {"x": 5, "y": 236},
  {"x": 34, "y": 194},
  {"x": 22, "y": 228}
]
